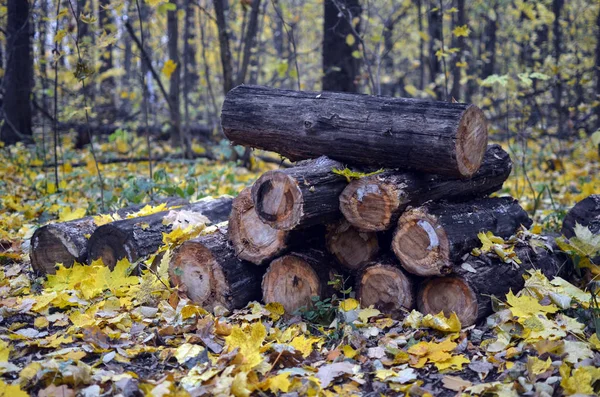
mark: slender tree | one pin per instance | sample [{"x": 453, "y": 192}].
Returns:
[
  {"x": 598, "y": 70},
  {"x": 435, "y": 40},
  {"x": 226, "y": 60},
  {"x": 557, "y": 6},
  {"x": 459, "y": 20}
]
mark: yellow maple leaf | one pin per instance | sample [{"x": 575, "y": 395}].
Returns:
[
  {"x": 278, "y": 383},
  {"x": 579, "y": 381},
  {"x": 349, "y": 351},
  {"x": 349, "y": 304},
  {"x": 453, "y": 363},
  {"x": 441, "y": 323},
  {"x": 525, "y": 306},
  {"x": 7, "y": 390},
  {"x": 186, "y": 352},
  {"x": 103, "y": 219},
  {"x": 249, "y": 342},
  {"x": 366, "y": 314},
  {"x": 168, "y": 68},
  {"x": 461, "y": 31},
  {"x": 5, "y": 350},
  {"x": 303, "y": 344},
  {"x": 66, "y": 214},
  {"x": 148, "y": 210}
]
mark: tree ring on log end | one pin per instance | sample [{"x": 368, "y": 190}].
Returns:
[
  {"x": 471, "y": 141},
  {"x": 48, "y": 249},
  {"x": 111, "y": 247},
  {"x": 278, "y": 200},
  {"x": 369, "y": 204},
  {"x": 449, "y": 294},
  {"x": 387, "y": 289},
  {"x": 421, "y": 244},
  {"x": 257, "y": 240},
  {"x": 292, "y": 282},
  {"x": 351, "y": 247},
  {"x": 196, "y": 272}
]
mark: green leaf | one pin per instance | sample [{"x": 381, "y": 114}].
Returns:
[
  {"x": 596, "y": 138},
  {"x": 349, "y": 174},
  {"x": 350, "y": 40}
]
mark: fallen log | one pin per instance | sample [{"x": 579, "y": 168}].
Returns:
[
  {"x": 301, "y": 196},
  {"x": 294, "y": 279},
  {"x": 137, "y": 238},
  {"x": 430, "y": 238},
  {"x": 67, "y": 242},
  {"x": 385, "y": 286},
  {"x": 437, "y": 137},
  {"x": 207, "y": 270},
  {"x": 469, "y": 289},
  {"x": 586, "y": 213},
  {"x": 351, "y": 247},
  {"x": 375, "y": 202}
]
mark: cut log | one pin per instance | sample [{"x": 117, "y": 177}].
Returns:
[
  {"x": 351, "y": 247},
  {"x": 137, "y": 238},
  {"x": 67, "y": 242},
  {"x": 301, "y": 196},
  {"x": 437, "y": 137},
  {"x": 294, "y": 279},
  {"x": 586, "y": 213},
  {"x": 375, "y": 202},
  {"x": 207, "y": 270},
  {"x": 385, "y": 286},
  {"x": 430, "y": 238},
  {"x": 469, "y": 289}
]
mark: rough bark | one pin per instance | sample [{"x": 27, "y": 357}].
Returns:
[
  {"x": 18, "y": 76},
  {"x": 294, "y": 278},
  {"x": 351, "y": 247},
  {"x": 137, "y": 238},
  {"x": 207, "y": 270},
  {"x": 107, "y": 85},
  {"x": 385, "y": 286},
  {"x": 438, "y": 137},
  {"x": 178, "y": 137},
  {"x": 301, "y": 196},
  {"x": 374, "y": 203},
  {"x": 226, "y": 59},
  {"x": 586, "y": 213},
  {"x": 469, "y": 289},
  {"x": 340, "y": 68},
  {"x": 435, "y": 39},
  {"x": 431, "y": 238}
]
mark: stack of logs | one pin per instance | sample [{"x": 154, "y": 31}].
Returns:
[{"x": 402, "y": 234}]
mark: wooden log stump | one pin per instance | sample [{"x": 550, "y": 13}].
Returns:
[
  {"x": 374, "y": 203},
  {"x": 301, "y": 196},
  {"x": 430, "y": 238},
  {"x": 385, "y": 286},
  {"x": 294, "y": 279},
  {"x": 207, "y": 270},
  {"x": 468, "y": 290},
  {"x": 351, "y": 247},
  {"x": 586, "y": 213},
  {"x": 437, "y": 137},
  {"x": 139, "y": 237},
  {"x": 67, "y": 242}
]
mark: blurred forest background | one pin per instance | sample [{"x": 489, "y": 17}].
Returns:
[{"x": 136, "y": 80}]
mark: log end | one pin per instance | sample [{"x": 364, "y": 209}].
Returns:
[
  {"x": 369, "y": 204},
  {"x": 471, "y": 141},
  {"x": 292, "y": 282},
  {"x": 386, "y": 288},
  {"x": 278, "y": 200},
  {"x": 421, "y": 244},
  {"x": 352, "y": 248},
  {"x": 50, "y": 247},
  {"x": 251, "y": 238},
  {"x": 447, "y": 295}
]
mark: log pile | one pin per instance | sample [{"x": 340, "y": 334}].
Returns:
[{"x": 388, "y": 194}]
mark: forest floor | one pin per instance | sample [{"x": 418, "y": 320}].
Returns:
[{"x": 90, "y": 332}]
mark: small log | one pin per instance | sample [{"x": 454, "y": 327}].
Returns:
[
  {"x": 586, "y": 213},
  {"x": 469, "y": 289},
  {"x": 438, "y": 137},
  {"x": 137, "y": 238},
  {"x": 430, "y": 238},
  {"x": 67, "y": 242},
  {"x": 207, "y": 270},
  {"x": 351, "y": 247},
  {"x": 374, "y": 203},
  {"x": 385, "y": 286},
  {"x": 301, "y": 196},
  {"x": 294, "y": 278}
]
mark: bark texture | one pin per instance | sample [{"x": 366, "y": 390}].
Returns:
[{"x": 586, "y": 213}]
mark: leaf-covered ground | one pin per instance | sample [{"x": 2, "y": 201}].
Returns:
[{"x": 92, "y": 332}]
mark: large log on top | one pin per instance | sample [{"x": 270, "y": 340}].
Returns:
[
  {"x": 67, "y": 242},
  {"x": 207, "y": 270},
  {"x": 384, "y": 285},
  {"x": 586, "y": 213},
  {"x": 430, "y": 238},
  {"x": 468, "y": 290},
  {"x": 294, "y": 279},
  {"x": 137, "y": 238},
  {"x": 301, "y": 196},
  {"x": 351, "y": 247},
  {"x": 375, "y": 202},
  {"x": 437, "y": 137}
]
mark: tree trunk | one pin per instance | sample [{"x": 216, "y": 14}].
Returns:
[
  {"x": 340, "y": 67},
  {"x": 468, "y": 291},
  {"x": 178, "y": 137},
  {"x": 557, "y": 6},
  {"x": 351, "y": 247},
  {"x": 385, "y": 286},
  {"x": 137, "y": 238},
  {"x": 435, "y": 39},
  {"x": 107, "y": 85},
  {"x": 207, "y": 270},
  {"x": 301, "y": 196},
  {"x": 226, "y": 60},
  {"x": 431, "y": 238},
  {"x": 18, "y": 76},
  {"x": 294, "y": 279},
  {"x": 490, "y": 43},
  {"x": 461, "y": 20},
  {"x": 190, "y": 75},
  {"x": 375, "y": 202},
  {"x": 438, "y": 137},
  {"x": 598, "y": 71},
  {"x": 586, "y": 213},
  {"x": 249, "y": 41},
  {"x": 421, "y": 47}
]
